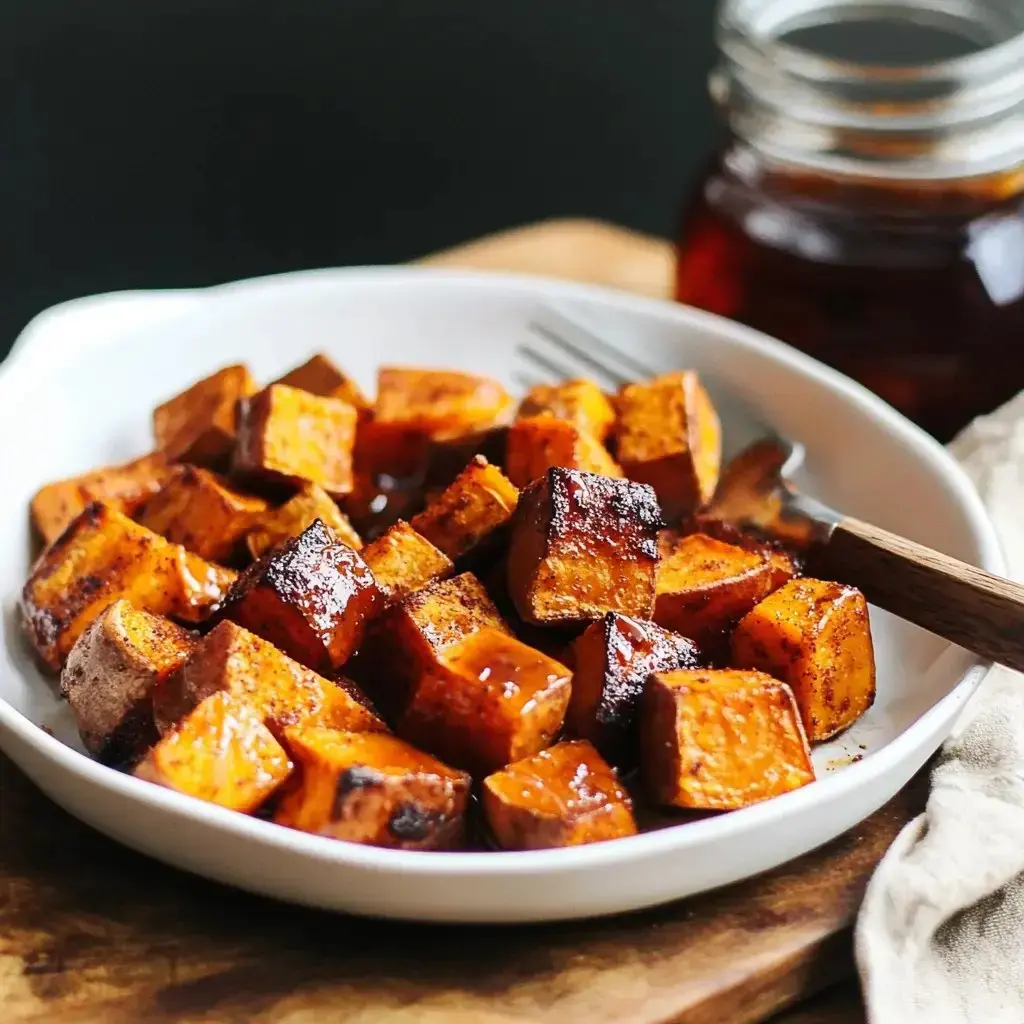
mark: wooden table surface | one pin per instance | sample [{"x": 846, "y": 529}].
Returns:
[{"x": 91, "y": 932}]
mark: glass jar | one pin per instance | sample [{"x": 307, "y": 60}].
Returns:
[{"x": 870, "y": 213}]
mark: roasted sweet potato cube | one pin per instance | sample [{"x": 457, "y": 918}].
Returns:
[
  {"x": 581, "y": 402},
  {"x": 200, "y": 425},
  {"x": 720, "y": 740},
  {"x": 291, "y": 437},
  {"x": 583, "y": 545},
  {"x": 403, "y": 561},
  {"x": 669, "y": 436},
  {"x": 408, "y": 638},
  {"x": 447, "y": 458},
  {"x": 319, "y": 376},
  {"x": 487, "y": 701},
  {"x": 479, "y": 502},
  {"x": 563, "y": 796},
  {"x": 200, "y": 512},
  {"x": 373, "y": 789},
  {"x": 311, "y": 597},
  {"x": 814, "y": 635},
  {"x": 611, "y": 662},
  {"x": 280, "y": 524},
  {"x": 279, "y": 689},
  {"x": 123, "y": 488},
  {"x": 705, "y": 585},
  {"x": 535, "y": 444},
  {"x": 222, "y": 753},
  {"x": 439, "y": 403},
  {"x": 110, "y": 675},
  {"x": 197, "y": 587}
]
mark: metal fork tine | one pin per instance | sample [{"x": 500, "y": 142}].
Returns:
[
  {"x": 550, "y": 368},
  {"x": 595, "y": 366}
]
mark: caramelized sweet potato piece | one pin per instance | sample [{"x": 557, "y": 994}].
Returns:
[
  {"x": 280, "y": 690},
  {"x": 612, "y": 660},
  {"x": 486, "y": 701},
  {"x": 563, "y": 796},
  {"x": 448, "y": 457},
  {"x": 583, "y": 545},
  {"x": 403, "y": 561},
  {"x": 535, "y": 444},
  {"x": 815, "y": 636},
  {"x": 200, "y": 424},
  {"x": 720, "y": 740},
  {"x": 581, "y": 402},
  {"x": 123, "y": 488},
  {"x": 373, "y": 789},
  {"x": 319, "y": 376},
  {"x": 221, "y": 753},
  {"x": 669, "y": 436},
  {"x": 201, "y": 513},
  {"x": 292, "y": 437},
  {"x": 311, "y": 597},
  {"x": 439, "y": 403},
  {"x": 280, "y": 524},
  {"x": 478, "y": 503},
  {"x": 197, "y": 587},
  {"x": 109, "y": 678},
  {"x": 408, "y": 638},
  {"x": 705, "y": 585}
]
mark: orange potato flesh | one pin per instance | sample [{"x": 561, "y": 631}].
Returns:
[
  {"x": 669, "y": 436},
  {"x": 582, "y": 546},
  {"x": 319, "y": 376},
  {"x": 612, "y": 660},
  {"x": 198, "y": 587},
  {"x": 447, "y": 458},
  {"x": 402, "y": 562},
  {"x": 202, "y": 514},
  {"x": 312, "y": 597},
  {"x": 439, "y": 403},
  {"x": 487, "y": 701},
  {"x": 281, "y": 691},
  {"x": 291, "y": 437},
  {"x": 311, "y": 503},
  {"x": 581, "y": 402},
  {"x": 200, "y": 425},
  {"x": 720, "y": 740},
  {"x": 221, "y": 753},
  {"x": 110, "y": 675},
  {"x": 373, "y": 789},
  {"x": 124, "y": 488},
  {"x": 705, "y": 585},
  {"x": 563, "y": 796},
  {"x": 480, "y": 501},
  {"x": 815, "y": 636},
  {"x": 537, "y": 443}
]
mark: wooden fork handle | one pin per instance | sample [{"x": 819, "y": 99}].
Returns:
[{"x": 972, "y": 608}]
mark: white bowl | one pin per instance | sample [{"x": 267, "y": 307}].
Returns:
[{"x": 78, "y": 391}]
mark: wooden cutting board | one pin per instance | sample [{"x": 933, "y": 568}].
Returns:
[{"x": 90, "y": 932}]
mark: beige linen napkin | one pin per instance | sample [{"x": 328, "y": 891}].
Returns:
[{"x": 940, "y": 938}]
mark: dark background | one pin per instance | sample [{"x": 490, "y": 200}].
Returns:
[{"x": 152, "y": 143}]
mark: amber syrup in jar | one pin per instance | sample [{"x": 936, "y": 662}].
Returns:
[{"x": 871, "y": 212}]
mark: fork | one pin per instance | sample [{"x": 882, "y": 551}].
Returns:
[{"x": 972, "y": 608}]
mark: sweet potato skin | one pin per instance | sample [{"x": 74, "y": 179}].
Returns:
[
  {"x": 200, "y": 425},
  {"x": 320, "y": 376},
  {"x": 124, "y": 488},
  {"x": 487, "y": 701},
  {"x": 720, "y": 740},
  {"x": 478, "y": 503},
  {"x": 403, "y": 561},
  {"x": 202, "y": 514},
  {"x": 612, "y": 660},
  {"x": 291, "y": 437},
  {"x": 375, "y": 790},
  {"x": 535, "y": 444},
  {"x": 815, "y": 636},
  {"x": 111, "y": 673},
  {"x": 563, "y": 796},
  {"x": 670, "y": 437},
  {"x": 581, "y": 402},
  {"x": 221, "y": 753},
  {"x": 280, "y": 690},
  {"x": 311, "y": 597},
  {"x": 280, "y": 524},
  {"x": 582, "y": 546}
]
